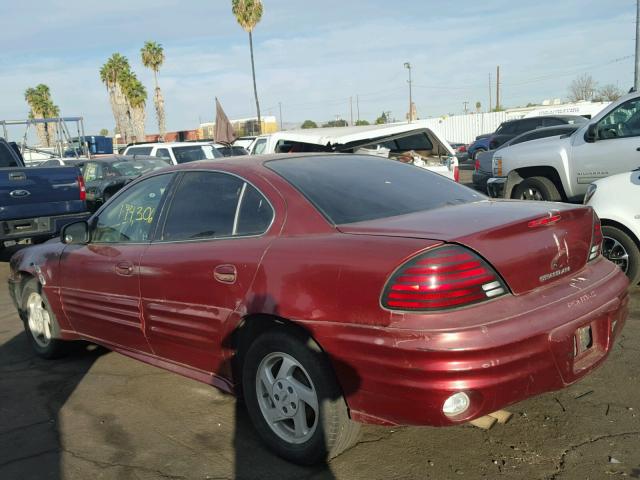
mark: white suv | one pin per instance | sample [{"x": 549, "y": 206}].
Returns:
[{"x": 176, "y": 152}]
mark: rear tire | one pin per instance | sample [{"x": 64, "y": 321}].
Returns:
[
  {"x": 622, "y": 250},
  {"x": 40, "y": 323},
  {"x": 293, "y": 399},
  {"x": 537, "y": 188}
]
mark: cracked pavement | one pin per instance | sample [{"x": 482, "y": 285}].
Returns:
[{"x": 96, "y": 414}]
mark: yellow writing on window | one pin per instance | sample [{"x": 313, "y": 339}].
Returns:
[{"x": 131, "y": 213}]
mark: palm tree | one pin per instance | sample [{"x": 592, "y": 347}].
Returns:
[
  {"x": 248, "y": 13},
  {"x": 111, "y": 74},
  {"x": 153, "y": 57},
  {"x": 42, "y": 106},
  {"x": 137, "y": 98}
]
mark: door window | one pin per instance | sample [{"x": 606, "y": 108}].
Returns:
[
  {"x": 527, "y": 125},
  {"x": 139, "y": 150},
  {"x": 259, "y": 147},
  {"x": 163, "y": 153},
  {"x": 214, "y": 205},
  {"x": 624, "y": 121},
  {"x": 129, "y": 218}
]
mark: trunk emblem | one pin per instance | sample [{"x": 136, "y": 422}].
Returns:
[
  {"x": 560, "y": 262},
  {"x": 20, "y": 193}
]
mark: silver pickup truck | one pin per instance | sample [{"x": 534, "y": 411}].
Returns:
[{"x": 560, "y": 168}]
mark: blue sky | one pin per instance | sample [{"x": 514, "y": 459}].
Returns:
[{"x": 313, "y": 56}]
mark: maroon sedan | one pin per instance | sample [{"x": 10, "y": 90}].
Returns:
[{"x": 331, "y": 290}]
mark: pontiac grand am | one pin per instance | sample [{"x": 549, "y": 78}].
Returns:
[{"x": 331, "y": 290}]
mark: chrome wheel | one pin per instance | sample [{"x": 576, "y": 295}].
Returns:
[
  {"x": 39, "y": 320},
  {"x": 287, "y": 397},
  {"x": 531, "y": 193},
  {"x": 614, "y": 251}
]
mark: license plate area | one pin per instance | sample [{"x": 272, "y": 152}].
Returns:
[{"x": 582, "y": 341}]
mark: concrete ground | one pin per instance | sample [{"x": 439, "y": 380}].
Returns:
[{"x": 99, "y": 415}]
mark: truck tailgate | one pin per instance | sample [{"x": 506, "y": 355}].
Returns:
[{"x": 39, "y": 192}]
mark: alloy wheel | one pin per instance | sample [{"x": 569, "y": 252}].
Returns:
[
  {"x": 287, "y": 397},
  {"x": 39, "y": 320},
  {"x": 614, "y": 251}
]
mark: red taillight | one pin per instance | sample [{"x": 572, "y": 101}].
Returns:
[
  {"x": 462, "y": 148},
  {"x": 456, "y": 173},
  {"x": 442, "y": 278},
  {"x": 83, "y": 190},
  {"x": 476, "y": 165},
  {"x": 544, "y": 221},
  {"x": 596, "y": 238}
]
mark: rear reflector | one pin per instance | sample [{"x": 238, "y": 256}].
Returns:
[
  {"x": 596, "y": 238},
  {"x": 445, "y": 277},
  {"x": 456, "y": 173}
]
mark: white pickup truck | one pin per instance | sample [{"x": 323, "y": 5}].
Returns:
[
  {"x": 560, "y": 168},
  {"x": 408, "y": 142}
]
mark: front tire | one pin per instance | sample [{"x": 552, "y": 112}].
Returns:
[
  {"x": 621, "y": 249},
  {"x": 293, "y": 399},
  {"x": 537, "y": 188},
  {"x": 40, "y": 323}
]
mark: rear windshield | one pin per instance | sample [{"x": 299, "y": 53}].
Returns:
[
  {"x": 193, "y": 153},
  {"x": 354, "y": 188}
]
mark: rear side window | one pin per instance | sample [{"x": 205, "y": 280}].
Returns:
[
  {"x": 215, "y": 205},
  {"x": 414, "y": 142},
  {"x": 354, "y": 188},
  {"x": 139, "y": 150}
]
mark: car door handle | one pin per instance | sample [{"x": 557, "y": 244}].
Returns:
[
  {"x": 225, "y": 273},
  {"x": 124, "y": 268}
]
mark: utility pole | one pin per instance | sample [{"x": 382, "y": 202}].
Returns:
[
  {"x": 498, "y": 87},
  {"x": 465, "y": 106},
  {"x": 280, "y": 107},
  {"x": 490, "y": 88},
  {"x": 358, "y": 107},
  {"x": 636, "y": 79},
  {"x": 351, "y": 109},
  {"x": 407, "y": 65}
]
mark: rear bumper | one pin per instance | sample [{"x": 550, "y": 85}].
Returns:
[
  {"x": 37, "y": 228},
  {"x": 495, "y": 187},
  {"x": 523, "y": 346}
]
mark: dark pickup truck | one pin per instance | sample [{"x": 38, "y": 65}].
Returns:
[{"x": 35, "y": 203}]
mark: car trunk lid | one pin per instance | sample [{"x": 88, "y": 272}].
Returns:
[{"x": 530, "y": 244}]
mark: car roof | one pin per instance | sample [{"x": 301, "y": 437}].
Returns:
[
  {"x": 115, "y": 158},
  {"x": 252, "y": 161},
  {"x": 170, "y": 144}
]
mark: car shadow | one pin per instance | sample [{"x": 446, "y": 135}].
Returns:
[{"x": 33, "y": 392}]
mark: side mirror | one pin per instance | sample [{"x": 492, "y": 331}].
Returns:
[
  {"x": 591, "y": 134},
  {"x": 76, "y": 233}
]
